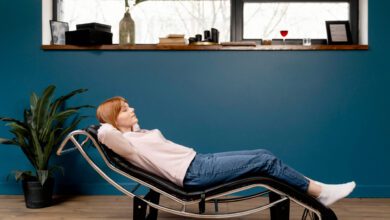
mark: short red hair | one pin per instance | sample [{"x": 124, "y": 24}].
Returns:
[{"x": 108, "y": 111}]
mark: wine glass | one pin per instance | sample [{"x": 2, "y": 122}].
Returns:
[{"x": 284, "y": 34}]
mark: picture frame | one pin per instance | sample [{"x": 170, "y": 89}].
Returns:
[
  {"x": 58, "y": 29},
  {"x": 339, "y": 32}
]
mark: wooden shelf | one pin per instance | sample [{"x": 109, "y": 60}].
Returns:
[{"x": 207, "y": 48}]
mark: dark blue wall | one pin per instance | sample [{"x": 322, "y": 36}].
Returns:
[{"x": 326, "y": 113}]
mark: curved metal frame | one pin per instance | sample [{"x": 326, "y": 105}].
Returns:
[{"x": 71, "y": 137}]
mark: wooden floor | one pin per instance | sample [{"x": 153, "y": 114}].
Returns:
[{"x": 120, "y": 207}]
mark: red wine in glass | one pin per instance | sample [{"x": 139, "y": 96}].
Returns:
[{"x": 284, "y": 34}]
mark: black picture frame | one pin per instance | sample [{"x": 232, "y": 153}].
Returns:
[
  {"x": 58, "y": 29},
  {"x": 339, "y": 33}
]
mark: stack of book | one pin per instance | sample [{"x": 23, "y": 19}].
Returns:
[
  {"x": 89, "y": 34},
  {"x": 173, "y": 39}
]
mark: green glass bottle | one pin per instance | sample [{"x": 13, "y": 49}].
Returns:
[{"x": 127, "y": 29}]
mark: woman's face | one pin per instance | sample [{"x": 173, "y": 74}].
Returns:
[{"x": 126, "y": 117}]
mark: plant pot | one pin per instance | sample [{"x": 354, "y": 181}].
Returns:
[{"x": 36, "y": 195}]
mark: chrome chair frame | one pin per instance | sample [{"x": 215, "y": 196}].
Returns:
[{"x": 141, "y": 203}]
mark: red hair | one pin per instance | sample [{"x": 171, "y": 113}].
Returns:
[{"x": 108, "y": 111}]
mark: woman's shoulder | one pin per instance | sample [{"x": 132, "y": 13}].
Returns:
[{"x": 105, "y": 127}]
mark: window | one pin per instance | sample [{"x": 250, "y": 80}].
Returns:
[
  {"x": 153, "y": 19},
  {"x": 235, "y": 19},
  {"x": 263, "y": 19}
]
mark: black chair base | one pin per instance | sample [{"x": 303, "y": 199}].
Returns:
[{"x": 140, "y": 207}]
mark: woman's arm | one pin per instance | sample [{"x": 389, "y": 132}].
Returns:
[{"x": 113, "y": 139}]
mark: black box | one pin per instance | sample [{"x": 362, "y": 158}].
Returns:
[
  {"x": 88, "y": 37},
  {"x": 94, "y": 26}
]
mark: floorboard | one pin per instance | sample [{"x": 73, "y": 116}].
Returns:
[{"x": 120, "y": 207}]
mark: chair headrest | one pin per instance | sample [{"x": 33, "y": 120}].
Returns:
[{"x": 93, "y": 130}]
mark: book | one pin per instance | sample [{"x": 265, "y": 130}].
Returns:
[
  {"x": 94, "y": 26},
  {"x": 175, "y": 36},
  {"x": 178, "y": 41},
  {"x": 88, "y": 37},
  {"x": 239, "y": 43}
]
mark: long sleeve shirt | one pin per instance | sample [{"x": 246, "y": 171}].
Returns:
[{"x": 149, "y": 150}]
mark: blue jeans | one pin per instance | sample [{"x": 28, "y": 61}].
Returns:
[{"x": 211, "y": 169}]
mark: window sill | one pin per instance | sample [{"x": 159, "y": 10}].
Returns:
[{"x": 206, "y": 48}]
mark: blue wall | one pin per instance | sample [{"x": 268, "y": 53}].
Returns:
[{"x": 326, "y": 113}]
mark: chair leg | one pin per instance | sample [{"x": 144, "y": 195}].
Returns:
[
  {"x": 153, "y": 197},
  {"x": 202, "y": 204},
  {"x": 280, "y": 211},
  {"x": 139, "y": 209}
]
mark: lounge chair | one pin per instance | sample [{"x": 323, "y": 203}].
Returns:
[{"x": 146, "y": 207}]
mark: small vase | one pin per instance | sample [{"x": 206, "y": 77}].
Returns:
[{"x": 127, "y": 29}]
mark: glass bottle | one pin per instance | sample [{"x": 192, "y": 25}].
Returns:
[{"x": 127, "y": 29}]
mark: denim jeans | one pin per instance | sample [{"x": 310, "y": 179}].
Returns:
[{"x": 211, "y": 169}]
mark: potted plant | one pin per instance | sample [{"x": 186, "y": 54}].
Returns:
[{"x": 45, "y": 123}]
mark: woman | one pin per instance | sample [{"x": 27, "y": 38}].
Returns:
[{"x": 148, "y": 149}]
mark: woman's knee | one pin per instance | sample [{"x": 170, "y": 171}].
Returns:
[
  {"x": 264, "y": 151},
  {"x": 273, "y": 164}
]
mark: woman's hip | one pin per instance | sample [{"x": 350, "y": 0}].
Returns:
[{"x": 211, "y": 169}]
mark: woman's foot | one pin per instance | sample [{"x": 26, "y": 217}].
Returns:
[{"x": 331, "y": 193}]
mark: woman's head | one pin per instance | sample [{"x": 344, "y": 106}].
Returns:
[{"x": 117, "y": 112}]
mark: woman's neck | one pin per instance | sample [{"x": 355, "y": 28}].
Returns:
[{"x": 127, "y": 129}]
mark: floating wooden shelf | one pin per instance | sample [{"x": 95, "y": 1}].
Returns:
[{"x": 207, "y": 48}]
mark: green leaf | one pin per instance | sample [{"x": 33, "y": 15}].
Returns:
[
  {"x": 64, "y": 114},
  {"x": 70, "y": 128},
  {"x": 42, "y": 176},
  {"x": 20, "y": 129},
  {"x": 60, "y": 101},
  {"x": 33, "y": 101},
  {"x": 5, "y": 119},
  {"x": 27, "y": 116},
  {"x": 82, "y": 106},
  {"x": 8, "y": 142},
  {"x": 42, "y": 110},
  {"x": 37, "y": 150},
  {"x": 22, "y": 174},
  {"x": 20, "y": 140},
  {"x": 59, "y": 118},
  {"x": 49, "y": 145}
]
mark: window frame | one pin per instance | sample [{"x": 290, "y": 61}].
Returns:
[{"x": 237, "y": 17}]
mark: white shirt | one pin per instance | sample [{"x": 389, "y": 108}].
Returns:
[{"x": 149, "y": 150}]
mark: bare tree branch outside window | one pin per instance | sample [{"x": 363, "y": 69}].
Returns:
[
  {"x": 153, "y": 18},
  {"x": 158, "y": 18}
]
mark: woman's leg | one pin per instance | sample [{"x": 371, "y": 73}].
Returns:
[
  {"x": 314, "y": 189},
  {"x": 212, "y": 169}
]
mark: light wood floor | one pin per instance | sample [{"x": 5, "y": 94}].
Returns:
[{"x": 120, "y": 207}]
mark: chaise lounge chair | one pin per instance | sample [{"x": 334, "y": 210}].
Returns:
[{"x": 146, "y": 207}]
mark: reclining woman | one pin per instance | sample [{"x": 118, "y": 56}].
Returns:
[{"x": 149, "y": 150}]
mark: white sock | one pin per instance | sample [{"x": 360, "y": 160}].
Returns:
[{"x": 331, "y": 193}]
